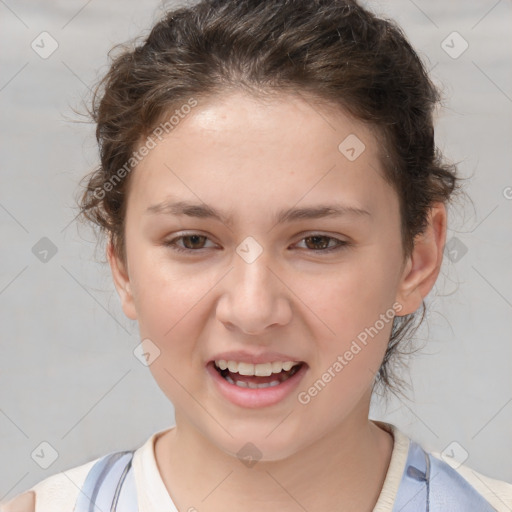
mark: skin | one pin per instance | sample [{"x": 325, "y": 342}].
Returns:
[{"x": 251, "y": 159}]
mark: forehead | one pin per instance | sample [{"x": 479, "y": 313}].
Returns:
[
  {"x": 237, "y": 147},
  {"x": 279, "y": 121}
]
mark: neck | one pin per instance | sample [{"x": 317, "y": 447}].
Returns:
[{"x": 343, "y": 470}]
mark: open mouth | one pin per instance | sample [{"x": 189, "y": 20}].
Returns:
[{"x": 256, "y": 376}]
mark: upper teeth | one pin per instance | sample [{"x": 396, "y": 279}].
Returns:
[{"x": 260, "y": 370}]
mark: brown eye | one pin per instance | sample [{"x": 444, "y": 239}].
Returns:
[
  {"x": 318, "y": 242},
  {"x": 323, "y": 243},
  {"x": 191, "y": 243}
]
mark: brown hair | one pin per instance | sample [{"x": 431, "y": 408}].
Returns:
[{"x": 334, "y": 52}]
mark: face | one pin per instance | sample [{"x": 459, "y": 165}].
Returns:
[{"x": 254, "y": 285}]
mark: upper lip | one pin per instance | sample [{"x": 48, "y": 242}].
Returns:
[{"x": 241, "y": 356}]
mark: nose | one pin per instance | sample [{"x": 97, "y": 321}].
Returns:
[{"x": 254, "y": 297}]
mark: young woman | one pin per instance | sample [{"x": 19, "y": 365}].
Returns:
[{"x": 275, "y": 209}]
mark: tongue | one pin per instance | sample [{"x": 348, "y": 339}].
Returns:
[{"x": 257, "y": 380}]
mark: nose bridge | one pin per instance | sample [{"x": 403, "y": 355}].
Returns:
[
  {"x": 252, "y": 274},
  {"x": 253, "y": 298}
]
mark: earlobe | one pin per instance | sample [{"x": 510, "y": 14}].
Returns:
[
  {"x": 423, "y": 266},
  {"x": 121, "y": 282}
]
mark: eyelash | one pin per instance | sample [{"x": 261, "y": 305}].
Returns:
[{"x": 340, "y": 244}]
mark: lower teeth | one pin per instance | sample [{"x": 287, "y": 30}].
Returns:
[{"x": 253, "y": 385}]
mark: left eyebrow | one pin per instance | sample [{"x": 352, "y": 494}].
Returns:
[{"x": 204, "y": 211}]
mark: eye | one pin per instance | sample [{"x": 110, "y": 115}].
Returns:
[
  {"x": 317, "y": 242},
  {"x": 322, "y": 242},
  {"x": 193, "y": 240}
]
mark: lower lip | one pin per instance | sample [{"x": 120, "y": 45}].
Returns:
[{"x": 255, "y": 398}]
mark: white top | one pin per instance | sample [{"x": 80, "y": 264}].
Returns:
[{"x": 58, "y": 493}]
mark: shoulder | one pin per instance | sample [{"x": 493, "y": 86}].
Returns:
[
  {"x": 55, "y": 493},
  {"x": 25, "y": 502},
  {"x": 415, "y": 473},
  {"x": 60, "y": 492},
  {"x": 497, "y": 493}
]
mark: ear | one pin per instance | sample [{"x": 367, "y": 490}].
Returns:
[
  {"x": 423, "y": 266},
  {"x": 121, "y": 282}
]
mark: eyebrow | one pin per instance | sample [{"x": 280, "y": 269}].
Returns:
[{"x": 205, "y": 211}]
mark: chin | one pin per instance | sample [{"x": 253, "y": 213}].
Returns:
[{"x": 254, "y": 446}]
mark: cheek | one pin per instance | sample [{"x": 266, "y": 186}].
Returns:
[
  {"x": 168, "y": 298},
  {"x": 350, "y": 349},
  {"x": 353, "y": 317},
  {"x": 172, "y": 313},
  {"x": 350, "y": 299},
  {"x": 174, "y": 306}
]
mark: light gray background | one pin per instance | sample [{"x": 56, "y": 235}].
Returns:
[{"x": 68, "y": 374}]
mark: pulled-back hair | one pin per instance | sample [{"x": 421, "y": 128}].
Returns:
[{"x": 333, "y": 52}]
